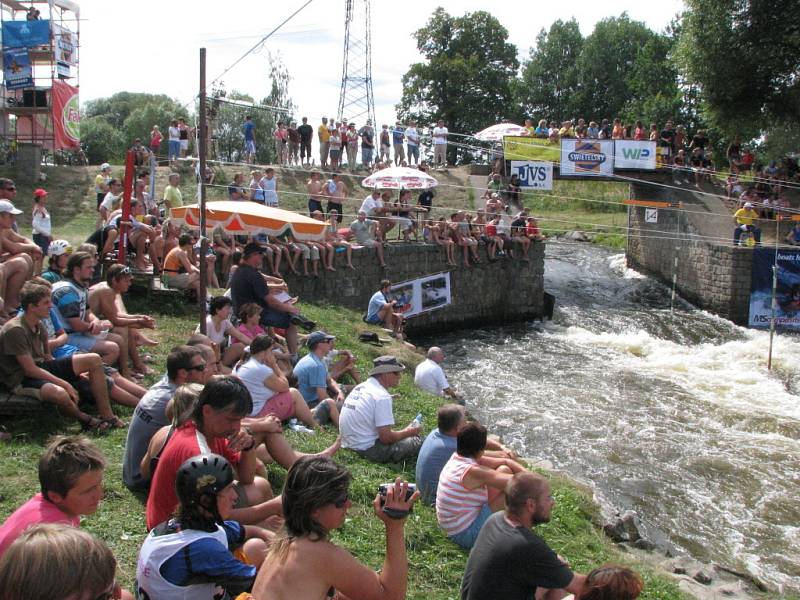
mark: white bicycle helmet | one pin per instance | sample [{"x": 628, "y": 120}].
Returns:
[{"x": 59, "y": 247}]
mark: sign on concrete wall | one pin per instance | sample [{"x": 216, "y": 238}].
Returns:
[
  {"x": 582, "y": 158},
  {"x": 787, "y": 296},
  {"x": 536, "y": 175},
  {"x": 634, "y": 154},
  {"x": 421, "y": 295}
]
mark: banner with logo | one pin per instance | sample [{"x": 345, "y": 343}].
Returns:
[
  {"x": 529, "y": 148},
  {"x": 787, "y": 295},
  {"x": 64, "y": 42},
  {"x": 421, "y": 295},
  {"x": 533, "y": 174},
  {"x": 66, "y": 115},
  {"x": 587, "y": 158},
  {"x": 634, "y": 154},
  {"x": 26, "y": 34},
  {"x": 17, "y": 69}
]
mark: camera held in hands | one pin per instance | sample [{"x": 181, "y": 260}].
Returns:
[{"x": 393, "y": 512}]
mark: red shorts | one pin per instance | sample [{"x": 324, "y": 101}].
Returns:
[{"x": 281, "y": 405}]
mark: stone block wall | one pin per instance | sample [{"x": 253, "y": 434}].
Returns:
[
  {"x": 713, "y": 277},
  {"x": 486, "y": 293}
]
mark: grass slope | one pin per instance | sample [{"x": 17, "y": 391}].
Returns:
[{"x": 436, "y": 564}]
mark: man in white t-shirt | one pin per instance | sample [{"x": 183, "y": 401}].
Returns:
[
  {"x": 412, "y": 143},
  {"x": 366, "y": 418},
  {"x": 112, "y": 199},
  {"x": 430, "y": 376},
  {"x": 373, "y": 205},
  {"x": 440, "y": 144}
]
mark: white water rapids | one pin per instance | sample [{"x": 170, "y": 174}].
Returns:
[{"x": 673, "y": 415}]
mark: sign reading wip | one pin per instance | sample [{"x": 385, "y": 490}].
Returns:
[
  {"x": 634, "y": 154},
  {"x": 532, "y": 174},
  {"x": 587, "y": 158}
]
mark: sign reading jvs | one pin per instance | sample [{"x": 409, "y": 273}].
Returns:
[{"x": 533, "y": 174}]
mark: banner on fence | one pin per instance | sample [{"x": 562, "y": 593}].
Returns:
[
  {"x": 587, "y": 157},
  {"x": 787, "y": 295},
  {"x": 421, "y": 295},
  {"x": 66, "y": 115},
  {"x": 634, "y": 154},
  {"x": 17, "y": 69},
  {"x": 529, "y": 148},
  {"x": 537, "y": 175}
]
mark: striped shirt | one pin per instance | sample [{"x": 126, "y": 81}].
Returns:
[{"x": 456, "y": 506}]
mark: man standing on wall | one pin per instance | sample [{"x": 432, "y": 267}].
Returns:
[{"x": 440, "y": 145}]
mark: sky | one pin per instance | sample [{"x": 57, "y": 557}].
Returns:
[{"x": 153, "y": 45}]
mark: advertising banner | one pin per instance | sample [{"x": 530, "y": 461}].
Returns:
[
  {"x": 533, "y": 174},
  {"x": 421, "y": 295},
  {"x": 587, "y": 157},
  {"x": 25, "y": 34},
  {"x": 66, "y": 115},
  {"x": 17, "y": 70},
  {"x": 64, "y": 42},
  {"x": 634, "y": 154},
  {"x": 787, "y": 295},
  {"x": 529, "y": 148}
]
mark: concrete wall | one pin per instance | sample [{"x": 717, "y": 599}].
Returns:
[
  {"x": 499, "y": 292},
  {"x": 713, "y": 277}
]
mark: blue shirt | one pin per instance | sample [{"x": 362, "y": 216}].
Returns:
[
  {"x": 435, "y": 452},
  {"x": 249, "y": 127},
  {"x": 311, "y": 374},
  {"x": 70, "y": 301},
  {"x": 398, "y": 133},
  {"x": 375, "y": 304},
  {"x": 56, "y": 325}
]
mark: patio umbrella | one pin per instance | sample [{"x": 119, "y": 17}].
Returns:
[
  {"x": 250, "y": 217},
  {"x": 496, "y": 133},
  {"x": 397, "y": 178}
]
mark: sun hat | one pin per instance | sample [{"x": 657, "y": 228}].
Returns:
[{"x": 386, "y": 364}]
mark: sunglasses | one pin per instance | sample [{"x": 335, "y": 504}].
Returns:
[
  {"x": 200, "y": 368},
  {"x": 342, "y": 501},
  {"x": 126, "y": 271}
]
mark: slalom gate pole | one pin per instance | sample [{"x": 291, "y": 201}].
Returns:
[{"x": 127, "y": 190}]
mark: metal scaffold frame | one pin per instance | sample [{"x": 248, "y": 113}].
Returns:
[
  {"x": 26, "y": 114},
  {"x": 356, "y": 100}
]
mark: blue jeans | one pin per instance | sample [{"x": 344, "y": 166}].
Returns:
[
  {"x": 413, "y": 152},
  {"x": 466, "y": 539}
]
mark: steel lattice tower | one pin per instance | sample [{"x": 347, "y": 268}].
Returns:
[{"x": 356, "y": 101}]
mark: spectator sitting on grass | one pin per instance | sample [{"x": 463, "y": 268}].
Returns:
[
  {"x": 430, "y": 376},
  {"x": 179, "y": 272},
  {"x": 314, "y": 381},
  {"x": 380, "y": 310},
  {"x": 367, "y": 417},
  {"x": 191, "y": 554},
  {"x": 366, "y": 234},
  {"x": 58, "y": 253},
  {"x": 71, "y": 479},
  {"x": 220, "y": 330},
  {"x": 471, "y": 486}
]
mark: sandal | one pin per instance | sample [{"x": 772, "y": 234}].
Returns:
[
  {"x": 95, "y": 424},
  {"x": 114, "y": 423}
]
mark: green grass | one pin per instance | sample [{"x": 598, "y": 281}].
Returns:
[{"x": 436, "y": 564}]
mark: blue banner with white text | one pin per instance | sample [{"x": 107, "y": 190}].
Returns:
[
  {"x": 787, "y": 294},
  {"x": 26, "y": 34}
]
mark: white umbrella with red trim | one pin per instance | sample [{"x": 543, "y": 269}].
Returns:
[
  {"x": 399, "y": 178},
  {"x": 496, "y": 133}
]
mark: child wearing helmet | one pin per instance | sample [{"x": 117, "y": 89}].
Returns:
[
  {"x": 192, "y": 554},
  {"x": 58, "y": 253}
]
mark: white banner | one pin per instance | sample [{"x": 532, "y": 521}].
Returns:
[
  {"x": 533, "y": 174},
  {"x": 581, "y": 158},
  {"x": 634, "y": 154},
  {"x": 421, "y": 295}
]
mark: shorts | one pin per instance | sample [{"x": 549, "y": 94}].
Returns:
[
  {"x": 405, "y": 449},
  {"x": 404, "y": 222},
  {"x": 321, "y": 411},
  {"x": 309, "y": 251},
  {"x": 274, "y": 318},
  {"x": 178, "y": 281},
  {"x": 373, "y": 319},
  {"x": 60, "y": 367},
  {"x": 174, "y": 147},
  {"x": 100, "y": 197},
  {"x": 335, "y": 154},
  {"x": 313, "y": 205},
  {"x": 338, "y": 208},
  {"x": 366, "y": 155},
  {"x": 466, "y": 539},
  {"x": 83, "y": 341},
  {"x": 280, "y": 406},
  {"x": 250, "y": 146},
  {"x": 184, "y": 144}
]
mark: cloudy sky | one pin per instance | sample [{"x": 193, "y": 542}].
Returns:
[{"x": 153, "y": 45}]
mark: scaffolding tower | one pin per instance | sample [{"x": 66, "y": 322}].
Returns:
[
  {"x": 26, "y": 108},
  {"x": 356, "y": 101}
]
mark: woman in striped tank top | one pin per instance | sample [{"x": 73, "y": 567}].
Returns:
[{"x": 471, "y": 486}]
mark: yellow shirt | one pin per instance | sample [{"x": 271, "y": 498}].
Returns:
[
  {"x": 745, "y": 216},
  {"x": 324, "y": 133},
  {"x": 99, "y": 182},
  {"x": 172, "y": 197}
]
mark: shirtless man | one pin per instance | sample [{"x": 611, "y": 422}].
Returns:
[
  {"x": 20, "y": 256},
  {"x": 105, "y": 301},
  {"x": 315, "y": 193}
]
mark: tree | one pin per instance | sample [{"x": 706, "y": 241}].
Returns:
[
  {"x": 140, "y": 121},
  {"x": 745, "y": 57},
  {"x": 549, "y": 82},
  {"x": 652, "y": 82},
  {"x": 101, "y": 141},
  {"x": 466, "y": 77},
  {"x": 117, "y": 108}
]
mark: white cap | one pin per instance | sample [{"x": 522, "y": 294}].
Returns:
[
  {"x": 748, "y": 205},
  {"x": 7, "y": 207},
  {"x": 105, "y": 167}
]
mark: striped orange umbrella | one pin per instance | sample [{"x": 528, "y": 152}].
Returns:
[{"x": 240, "y": 217}]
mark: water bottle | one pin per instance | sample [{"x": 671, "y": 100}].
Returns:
[
  {"x": 295, "y": 426},
  {"x": 417, "y": 420}
]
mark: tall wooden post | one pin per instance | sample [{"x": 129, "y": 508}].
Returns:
[{"x": 202, "y": 183}]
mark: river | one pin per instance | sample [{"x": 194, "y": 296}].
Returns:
[{"x": 671, "y": 414}]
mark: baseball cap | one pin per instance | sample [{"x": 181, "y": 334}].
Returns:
[
  {"x": 7, "y": 207},
  {"x": 748, "y": 205},
  {"x": 318, "y": 336},
  {"x": 105, "y": 167},
  {"x": 386, "y": 364},
  {"x": 252, "y": 248},
  {"x": 39, "y": 192}
]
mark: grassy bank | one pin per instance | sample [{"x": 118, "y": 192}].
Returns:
[{"x": 436, "y": 564}]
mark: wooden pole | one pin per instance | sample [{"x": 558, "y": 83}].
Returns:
[{"x": 202, "y": 183}]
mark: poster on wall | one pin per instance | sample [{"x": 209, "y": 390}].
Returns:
[
  {"x": 529, "y": 148},
  {"x": 66, "y": 115},
  {"x": 787, "y": 294},
  {"x": 634, "y": 154},
  {"x": 587, "y": 157},
  {"x": 26, "y": 34},
  {"x": 17, "y": 69},
  {"x": 64, "y": 42},
  {"x": 537, "y": 175},
  {"x": 421, "y": 295}
]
